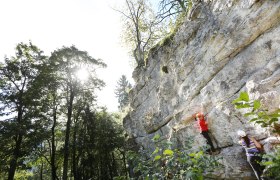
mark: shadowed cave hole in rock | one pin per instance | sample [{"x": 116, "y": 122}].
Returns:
[{"x": 164, "y": 69}]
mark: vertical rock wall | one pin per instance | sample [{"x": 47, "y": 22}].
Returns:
[{"x": 224, "y": 47}]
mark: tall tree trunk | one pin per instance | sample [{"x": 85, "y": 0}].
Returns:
[
  {"x": 16, "y": 152},
  {"x": 113, "y": 168},
  {"x": 53, "y": 152},
  {"x": 124, "y": 164},
  {"x": 75, "y": 157},
  {"x": 74, "y": 153},
  {"x": 67, "y": 136},
  {"x": 41, "y": 171}
]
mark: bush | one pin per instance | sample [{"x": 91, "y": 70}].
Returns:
[
  {"x": 167, "y": 163},
  {"x": 272, "y": 164}
]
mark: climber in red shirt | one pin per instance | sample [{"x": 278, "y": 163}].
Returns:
[{"x": 203, "y": 127}]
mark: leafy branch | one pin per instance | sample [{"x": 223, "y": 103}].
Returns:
[{"x": 258, "y": 114}]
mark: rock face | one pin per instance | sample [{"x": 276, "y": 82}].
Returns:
[{"x": 224, "y": 47}]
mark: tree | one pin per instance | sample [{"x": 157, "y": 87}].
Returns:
[
  {"x": 99, "y": 140},
  {"x": 141, "y": 30},
  {"x": 144, "y": 27},
  {"x": 52, "y": 103},
  {"x": 172, "y": 8},
  {"x": 82, "y": 105},
  {"x": 22, "y": 128},
  {"x": 122, "y": 90},
  {"x": 50, "y": 118},
  {"x": 66, "y": 62}
]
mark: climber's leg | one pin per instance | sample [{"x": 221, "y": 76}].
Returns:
[{"x": 208, "y": 140}]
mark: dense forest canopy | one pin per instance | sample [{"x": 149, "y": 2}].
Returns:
[{"x": 50, "y": 124}]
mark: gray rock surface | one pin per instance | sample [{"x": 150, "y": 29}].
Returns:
[{"x": 224, "y": 47}]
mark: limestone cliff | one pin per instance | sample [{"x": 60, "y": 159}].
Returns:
[{"x": 224, "y": 47}]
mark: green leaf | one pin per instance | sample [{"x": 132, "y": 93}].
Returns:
[
  {"x": 249, "y": 114},
  {"x": 252, "y": 120},
  {"x": 261, "y": 114},
  {"x": 241, "y": 106},
  {"x": 237, "y": 100},
  {"x": 275, "y": 115},
  {"x": 168, "y": 152},
  {"x": 244, "y": 96},
  {"x": 267, "y": 163},
  {"x": 192, "y": 154},
  {"x": 257, "y": 104},
  {"x": 272, "y": 120},
  {"x": 156, "y": 137},
  {"x": 238, "y": 105},
  {"x": 157, "y": 157},
  {"x": 200, "y": 153},
  {"x": 260, "y": 122},
  {"x": 182, "y": 171},
  {"x": 156, "y": 151}
]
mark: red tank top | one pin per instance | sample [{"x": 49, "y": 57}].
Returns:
[{"x": 202, "y": 125}]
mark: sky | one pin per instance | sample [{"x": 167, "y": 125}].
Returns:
[{"x": 90, "y": 25}]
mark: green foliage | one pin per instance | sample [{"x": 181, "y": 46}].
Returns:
[
  {"x": 138, "y": 24},
  {"x": 120, "y": 178},
  {"x": 22, "y": 127},
  {"x": 168, "y": 38},
  {"x": 38, "y": 95},
  {"x": 142, "y": 28},
  {"x": 99, "y": 148},
  {"x": 23, "y": 174},
  {"x": 273, "y": 164},
  {"x": 145, "y": 29},
  {"x": 258, "y": 114},
  {"x": 166, "y": 162},
  {"x": 64, "y": 65}
]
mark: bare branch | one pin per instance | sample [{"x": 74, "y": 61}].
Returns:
[{"x": 122, "y": 13}]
